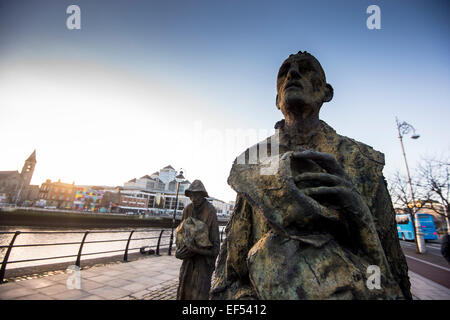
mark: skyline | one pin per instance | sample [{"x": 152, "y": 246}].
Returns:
[{"x": 125, "y": 95}]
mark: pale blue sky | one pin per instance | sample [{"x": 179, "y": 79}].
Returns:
[{"x": 117, "y": 99}]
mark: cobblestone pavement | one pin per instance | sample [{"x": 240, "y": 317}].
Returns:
[{"x": 149, "y": 278}]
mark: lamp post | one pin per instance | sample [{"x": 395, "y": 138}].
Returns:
[
  {"x": 405, "y": 128},
  {"x": 179, "y": 178}
]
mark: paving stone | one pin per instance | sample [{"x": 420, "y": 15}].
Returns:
[
  {"x": 163, "y": 276},
  {"x": 110, "y": 293},
  {"x": 87, "y": 284},
  {"x": 113, "y": 273},
  {"x": 73, "y": 294},
  {"x": 16, "y": 293},
  {"x": 102, "y": 279},
  {"x": 134, "y": 287},
  {"x": 36, "y": 283},
  {"x": 139, "y": 294},
  {"x": 89, "y": 274},
  {"x": 9, "y": 286},
  {"x": 52, "y": 290},
  {"x": 148, "y": 280},
  {"x": 129, "y": 276},
  {"x": 119, "y": 283},
  {"x": 36, "y": 296}
]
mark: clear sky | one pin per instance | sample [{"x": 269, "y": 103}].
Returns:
[{"x": 145, "y": 84}]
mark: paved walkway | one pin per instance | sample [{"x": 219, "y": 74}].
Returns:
[{"x": 149, "y": 278}]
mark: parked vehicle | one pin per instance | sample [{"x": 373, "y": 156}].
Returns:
[{"x": 406, "y": 230}]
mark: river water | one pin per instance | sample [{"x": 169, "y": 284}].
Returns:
[{"x": 72, "y": 235}]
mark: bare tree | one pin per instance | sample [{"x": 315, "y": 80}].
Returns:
[
  {"x": 399, "y": 191},
  {"x": 431, "y": 187},
  {"x": 434, "y": 183}
]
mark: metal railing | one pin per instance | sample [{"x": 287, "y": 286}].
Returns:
[{"x": 80, "y": 254}]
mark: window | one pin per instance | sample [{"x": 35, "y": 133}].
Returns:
[
  {"x": 167, "y": 203},
  {"x": 151, "y": 201},
  {"x": 402, "y": 219}
]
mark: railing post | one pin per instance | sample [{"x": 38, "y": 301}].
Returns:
[
  {"x": 78, "y": 263},
  {"x": 125, "y": 256},
  {"x": 5, "y": 259},
  {"x": 159, "y": 242}
]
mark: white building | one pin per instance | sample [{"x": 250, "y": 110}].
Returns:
[
  {"x": 224, "y": 209},
  {"x": 154, "y": 194}
]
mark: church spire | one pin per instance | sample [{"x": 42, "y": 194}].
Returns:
[{"x": 32, "y": 157}]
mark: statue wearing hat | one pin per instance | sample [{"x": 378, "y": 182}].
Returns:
[{"x": 197, "y": 239}]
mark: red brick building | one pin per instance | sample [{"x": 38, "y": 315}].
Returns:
[{"x": 57, "y": 194}]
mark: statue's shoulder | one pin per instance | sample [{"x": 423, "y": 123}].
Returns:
[{"x": 355, "y": 147}]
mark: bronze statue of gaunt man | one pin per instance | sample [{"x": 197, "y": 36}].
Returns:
[
  {"x": 198, "y": 262},
  {"x": 323, "y": 225}
]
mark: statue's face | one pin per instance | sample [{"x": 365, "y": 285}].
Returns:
[
  {"x": 197, "y": 198},
  {"x": 301, "y": 84}
]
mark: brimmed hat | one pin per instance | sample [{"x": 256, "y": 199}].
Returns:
[{"x": 196, "y": 186}]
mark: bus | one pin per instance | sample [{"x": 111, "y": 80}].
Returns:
[{"x": 405, "y": 226}]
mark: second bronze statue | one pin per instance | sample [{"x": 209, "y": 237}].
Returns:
[{"x": 198, "y": 251}]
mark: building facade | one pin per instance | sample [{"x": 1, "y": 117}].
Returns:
[
  {"x": 57, "y": 195},
  {"x": 224, "y": 209}
]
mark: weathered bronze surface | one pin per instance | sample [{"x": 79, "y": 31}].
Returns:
[
  {"x": 310, "y": 230},
  {"x": 198, "y": 251}
]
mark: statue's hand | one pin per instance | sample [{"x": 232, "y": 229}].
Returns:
[
  {"x": 203, "y": 252},
  {"x": 334, "y": 192},
  {"x": 184, "y": 253},
  {"x": 331, "y": 188}
]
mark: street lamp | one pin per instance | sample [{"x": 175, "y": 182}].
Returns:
[
  {"x": 405, "y": 128},
  {"x": 179, "y": 178}
]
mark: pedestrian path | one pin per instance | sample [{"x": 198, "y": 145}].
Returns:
[
  {"x": 425, "y": 289},
  {"x": 149, "y": 278}
]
